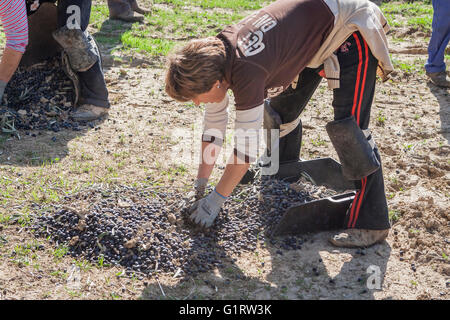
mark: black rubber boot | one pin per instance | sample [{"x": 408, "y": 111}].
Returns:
[
  {"x": 134, "y": 5},
  {"x": 122, "y": 10},
  {"x": 290, "y": 145},
  {"x": 356, "y": 155},
  {"x": 282, "y": 109}
]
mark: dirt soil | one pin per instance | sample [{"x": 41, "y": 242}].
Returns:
[{"x": 149, "y": 139}]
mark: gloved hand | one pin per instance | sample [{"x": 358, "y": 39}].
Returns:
[
  {"x": 205, "y": 210},
  {"x": 2, "y": 90},
  {"x": 200, "y": 187}
]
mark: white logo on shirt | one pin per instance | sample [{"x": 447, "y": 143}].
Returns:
[
  {"x": 265, "y": 23},
  {"x": 251, "y": 43}
]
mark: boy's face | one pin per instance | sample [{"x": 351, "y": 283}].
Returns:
[{"x": 215, "y": 95}]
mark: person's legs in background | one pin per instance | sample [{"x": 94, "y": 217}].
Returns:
[
  {"x": 84, "y": 60},
  {"x": 124, "y": 10},
  {"x": 435, "y": 66}
]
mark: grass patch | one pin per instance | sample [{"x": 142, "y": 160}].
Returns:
[
  {"x": 151, "y": 46},
  {"x": 99, "y": 13},
  {"x": 415, "y": 66},
  {"x": 162, "y": 29},
  {"x": 416, "y": 14},
  {"x": 422, "y": 23},
  {"x": 394, "y": 216},
  {"x": 211, "y": 4},
  {"x": 416, "y": 8}
]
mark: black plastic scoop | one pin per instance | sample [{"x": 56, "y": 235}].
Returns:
[{"x": 318, "y": 215}]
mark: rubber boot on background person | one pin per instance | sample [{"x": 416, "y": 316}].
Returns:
[
  {"x": 435, "y": 66},
  {"x": 134, "y": 5},
  {"x": 125, "y": 10},
  {"x": 439, "y": 79},
  {"x": 81, "y": 61}
]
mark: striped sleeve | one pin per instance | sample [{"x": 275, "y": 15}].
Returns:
[{"x": 13, "y": 15}]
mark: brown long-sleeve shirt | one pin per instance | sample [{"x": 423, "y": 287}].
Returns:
[{"x": 268, "y": 49}]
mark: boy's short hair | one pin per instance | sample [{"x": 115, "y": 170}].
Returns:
[{"x": 195, "y": 68}]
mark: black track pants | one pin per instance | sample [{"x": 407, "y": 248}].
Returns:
[
  {"x": 289, "y": 105},
  {"x": 354, "y": 97}
]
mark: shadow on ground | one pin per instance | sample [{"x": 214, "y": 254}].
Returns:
[
  {"x": 108, "y": 38},
  {"x": 317, "y": 271},
  {"x": 443, "y": 97},
  {"x": 44, "y": 147}
]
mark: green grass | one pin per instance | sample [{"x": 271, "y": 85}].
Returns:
[
  {"x": 99, "y": 14},
  {"x": 393, "y": 20},
  {"x": 163, "y": 28},
  {"x": 394, "y": 216},
  {"x": 422, "y": 23},
  {"x": 409, "y": 67},
  {"x": 24, "y": 254},
  {"x": 151, "y": 46},
  {"x": 210, "y": 4},
  {"x": 418, "y": 14},
  {"x": 2, "y": 38},
  {"x": 60, "y": 252},
  {"x": 417, "y": 8},
  {"x": 185, "y": 23}
]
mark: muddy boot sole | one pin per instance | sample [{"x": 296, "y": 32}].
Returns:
[
  {"x": 128, "y": 18},
  {"x": 359, "y": 238},
  {"x": 89, "y": 113}
]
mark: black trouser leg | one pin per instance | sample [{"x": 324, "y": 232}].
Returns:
[
  {"x": 289, "y": 105},
  {"x": 354, "y": 97},
  {"x": 92, "y": 82}
]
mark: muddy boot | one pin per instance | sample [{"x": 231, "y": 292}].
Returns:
[
  {"x": 134, "y": 5},
  {"x": 122, "y": 10},
  {"x": 439, "y": 78},
  {"x": 358, "y": 238},
  {"x": 89, "y": 112},
  {"x": 355, "y": 148},
  {"x": 79, "y": 49}
]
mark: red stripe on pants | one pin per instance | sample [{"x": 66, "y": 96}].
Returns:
[
  {"x": 356, "y": 205},
  {"x": 357, "y": 75},
  {"x": 364, "y": 79},
  {"x": 363, "y": 189}
]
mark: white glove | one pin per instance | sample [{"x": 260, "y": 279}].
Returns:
[{"x": 205, "y": 210}]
